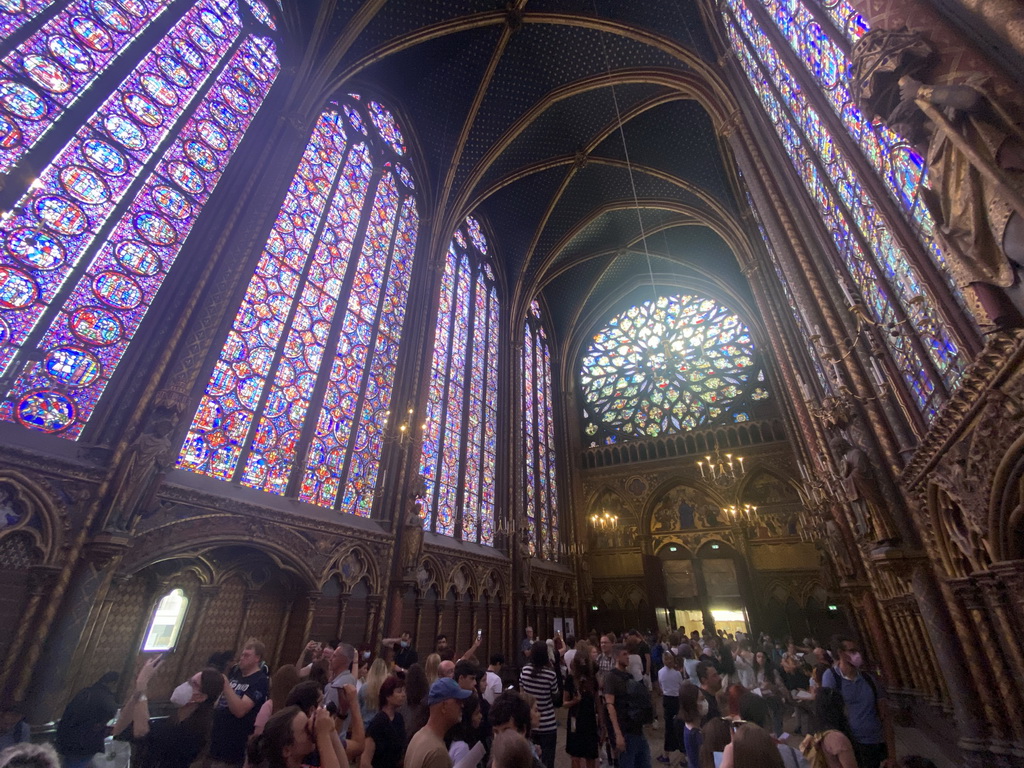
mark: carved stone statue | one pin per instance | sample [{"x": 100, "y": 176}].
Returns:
[
  {"x": 871, "y": 512},
  {"x": 974, "y": 145},
  {"x": 144, "y": 464},
  {"x": 412, "y": 539}
]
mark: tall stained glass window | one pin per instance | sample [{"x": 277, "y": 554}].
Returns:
[
  {"x": 540, "y": 486},
  {"x": 85, "y": 247},
  {"x": 459, "y": 452},
  {"x": 298, "y": 401},
  {"x": 666, "y": 366},
  {"x": 876, "y": 261}
]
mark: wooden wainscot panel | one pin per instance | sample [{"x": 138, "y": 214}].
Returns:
[{"x": 797, "y": 555}]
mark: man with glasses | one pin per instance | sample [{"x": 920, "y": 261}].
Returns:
[
  {"x": 874, "y": 740},
  {"x": 426, "y": 748}
]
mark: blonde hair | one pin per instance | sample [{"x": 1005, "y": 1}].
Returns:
[
  {"x": 374, "y": 679},
  {"x": 430, "y": 667}
]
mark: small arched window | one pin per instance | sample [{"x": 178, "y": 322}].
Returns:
[{"x": 165, "y": 626}]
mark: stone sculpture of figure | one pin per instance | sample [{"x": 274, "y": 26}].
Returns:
[
  {"x": 412, "y": 538},
  {"x": 871, "y": 513},
  {"x": 974, "y": 148},
  {"x": 145, "y": 462}
]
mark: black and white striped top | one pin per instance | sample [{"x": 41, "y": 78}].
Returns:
[{"x": 542, "y": 684}]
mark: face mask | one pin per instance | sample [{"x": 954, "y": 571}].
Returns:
[
  {"x": 702, "y": 707},
  {"x": 857, "y": 660},
  {"x": 404, "y": 643}
]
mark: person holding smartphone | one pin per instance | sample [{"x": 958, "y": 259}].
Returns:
[{"x": 176, "y": 741}]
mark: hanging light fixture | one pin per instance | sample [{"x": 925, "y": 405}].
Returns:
[
  {"x": 604, "y": 521},
  {"x": 722, "y": 469}
]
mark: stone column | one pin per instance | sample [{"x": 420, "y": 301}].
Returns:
[
  {"x": 999, "y": 607},
  {"x": 1011, "y": 574},
  {"x": 286, "y": 620},
  {"x": 312, "y": 597},
  {"x": 943, "y": 633},
  {"x": 342, "y": 608},
  {"x": 996, "y": 676},
  {"x": 247, "y": 600},
  {"x": 374, "y": 603},
  {"x": 40, "y": 585},
  {"x": 419, "y": 620}
]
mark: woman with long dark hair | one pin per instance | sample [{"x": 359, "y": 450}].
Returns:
[
  {"x": 291, "y": 735},
  {"x": 539, "y": 680},
  {"x": 177, "y": 741},
  {"x": 580, "y": 697}
]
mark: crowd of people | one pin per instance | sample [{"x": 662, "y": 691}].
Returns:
[{"x": 723, "y": 700}]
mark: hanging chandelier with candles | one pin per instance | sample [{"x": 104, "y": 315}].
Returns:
[{"x": 722, "y": 469}]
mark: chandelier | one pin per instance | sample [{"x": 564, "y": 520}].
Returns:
[
  {"x": 605, "y": 521},
  {"x": 744, "y": 513},
  {"x": 722, "y": 469}
]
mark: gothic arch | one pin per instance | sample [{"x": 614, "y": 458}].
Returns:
[
  {"x": 186, "y": 537},
  {"x": 961, "y": 548},
  {"x": 354, "y": 564},
  {"x": 29, "y": 510}
]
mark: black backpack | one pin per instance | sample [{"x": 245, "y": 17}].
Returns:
[{"x": 639, "y": 707}]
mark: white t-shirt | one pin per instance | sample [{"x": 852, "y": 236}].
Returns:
[
  {"x": 493, "y": 687},
  {"x": 567, "y": 658},
  {"x": 669, "y": 680}
]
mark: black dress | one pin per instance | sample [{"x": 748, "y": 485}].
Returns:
[{"x": 581, "y": 724}]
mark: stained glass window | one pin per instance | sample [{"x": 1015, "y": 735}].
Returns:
[
  {"x": 105, "y": 220},
  {"x": 299, "y": 400},
  {"x": 459, "y": 435},
  {"x": 666, "y": 366},
  {"x": 540, "y": 484},
  {"x": 878, "y": 264}
]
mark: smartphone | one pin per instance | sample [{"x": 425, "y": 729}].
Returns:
[{"x": 479, "y": 634}]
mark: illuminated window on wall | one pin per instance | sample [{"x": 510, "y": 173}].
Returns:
[
  {"x": 878, "y": 264},
  {"x": 666, "y": 366},
  {"x": 459, "y": 435},
  {"x": 298, "y": 400},
  {"x": 85, "y": 247},
  {"x": 168, "y": 618},
  {"x": 539, "y": 481}
]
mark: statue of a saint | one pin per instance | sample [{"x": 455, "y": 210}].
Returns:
[
  {"x": 144, "y": 464},
  {"x": 871, "y": 512},
  {"x": 973, "y": 142}
]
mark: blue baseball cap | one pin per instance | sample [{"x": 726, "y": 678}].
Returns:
[{"x": 445, "y": 688}]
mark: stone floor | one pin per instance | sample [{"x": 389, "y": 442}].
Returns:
[{"x": 909, "y": 741}]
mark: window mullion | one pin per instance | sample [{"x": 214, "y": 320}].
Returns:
[
  {"x": 243, "y": 456},
  {"x": 467, "y": 383},
  {"x": 370, "y": 347},
  {"x": 446, "y": 403}
]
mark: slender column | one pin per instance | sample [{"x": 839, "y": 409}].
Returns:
[
  {"x": 312, "y": 597},
  {"x": 418, "y": 622},
  {"x": 991, "y": 589},
  {"x": 370, "y": 635},
  {"x": 1011, "y": 574},
  {"x": 243, "y": 626},
  {"x": 458, "y": 622},
  {"x": 437, "y": 620},
  {"x": 997, "y": 676},
  {"x": 980, "y": 675},
  {"x": 286, "y": 620},
  {"x": 342, "y": 609},
  {"x": 959, "y": 677}
]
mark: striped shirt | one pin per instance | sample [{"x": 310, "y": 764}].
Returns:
[{"x": 542, "y": 684}]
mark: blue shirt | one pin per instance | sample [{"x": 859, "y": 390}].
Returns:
[{"x": 861, "y": 705}]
